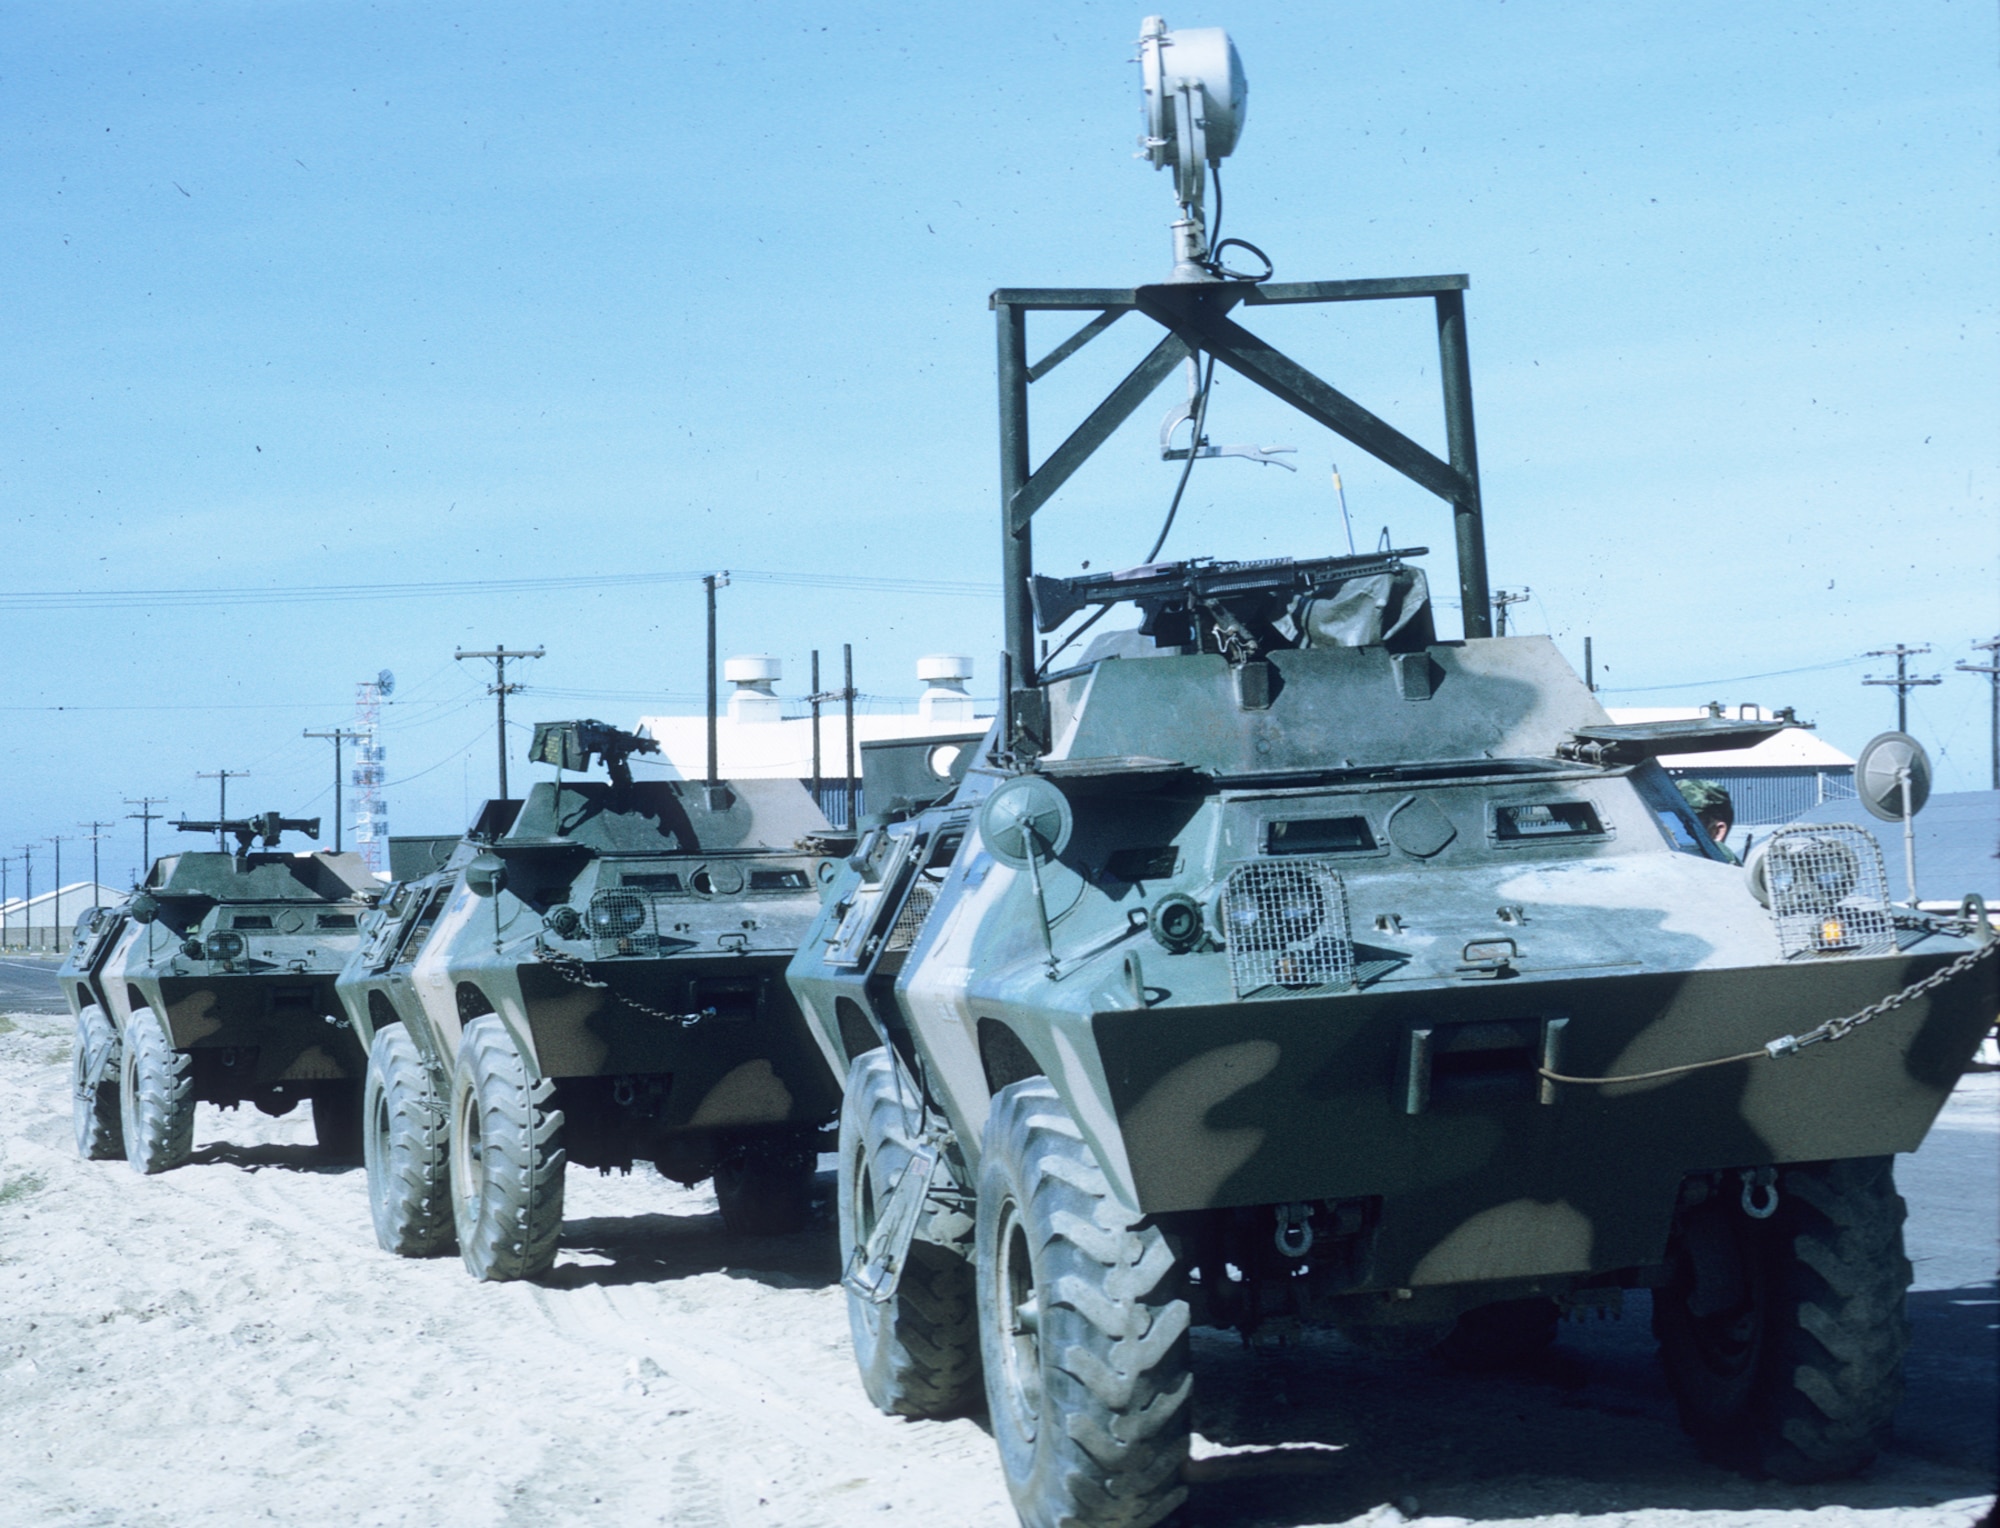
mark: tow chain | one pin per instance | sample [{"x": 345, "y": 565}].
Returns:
[
  {"x": 1832, "y": 1029},
  {"x": 572, "y": 970}
]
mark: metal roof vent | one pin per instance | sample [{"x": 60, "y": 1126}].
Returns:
[
  {"x": 945, "y": 698},
  {"x": 753, "y": 674}
]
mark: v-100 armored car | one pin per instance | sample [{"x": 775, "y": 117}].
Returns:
[
  {"x": 1281, "y": 961},
  {"x": 213, "y": 983},
  {"x": 595, "y": 977}
]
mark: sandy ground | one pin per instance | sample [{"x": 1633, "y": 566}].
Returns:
[{"x": 226, "y": 1345}]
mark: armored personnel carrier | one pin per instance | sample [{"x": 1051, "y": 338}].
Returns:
[
  {"x": 597, "y": 979},
  {"x": 1282, "y": 961},
  {"x": 213, "y": 983}
]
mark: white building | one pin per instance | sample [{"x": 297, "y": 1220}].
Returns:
[
  {"x": 763, "y": 735},
  {"x": 45, "y": 920},
  {"x": 1771, "y": 783}
]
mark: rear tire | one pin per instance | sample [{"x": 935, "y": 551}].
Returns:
[
  {"x": 765, "y": 1187},
  {"x": 506, "y": 1157},
  {"x": 1797, "y": 1372},
  {"x": 1082, "y": 1338},
  {"x": 94, "y": 1091},
  {"x": 918, "y": 1351},
  {"x": 337, "y": 1126},
  {"x": 156, "y": 1096},
  {"x": 404, "y": 1144}
]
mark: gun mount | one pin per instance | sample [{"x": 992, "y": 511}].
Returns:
[
  {"x": 268, "y": 826},
  {"x": 1242, "y": 610},
  {"x": 569, "y": 745}
]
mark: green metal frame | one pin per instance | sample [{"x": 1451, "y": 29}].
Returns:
[{"x": 1196, "y": 319}]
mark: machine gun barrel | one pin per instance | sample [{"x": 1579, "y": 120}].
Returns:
[
  {"x": 1200, "y": 581},
  {"x": 268, "y": 826}
]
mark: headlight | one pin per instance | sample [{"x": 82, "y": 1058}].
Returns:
[{"x": 223, "y": 944}]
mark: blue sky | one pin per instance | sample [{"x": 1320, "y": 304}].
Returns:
[{"x": 308, "y": 294}]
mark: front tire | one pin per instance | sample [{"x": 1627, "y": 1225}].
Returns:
[
  {"x": 94, "y": 1070},
  {"x": 1083, "y": 1341},
  {"x": 404, "y": 1135},
  {"x": 156, "y": 1096},
  {"x": 1783, "y": 1339},
  {"x": 918, "y": 1351},
  {"x": 506, "y": 1157}
]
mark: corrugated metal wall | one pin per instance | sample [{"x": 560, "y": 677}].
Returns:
[{"x": 1764, "y": 797}]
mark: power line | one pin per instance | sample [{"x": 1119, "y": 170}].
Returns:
[
  {"x": 292, "y": 594},
  {"x": 1695, "y": 684}
]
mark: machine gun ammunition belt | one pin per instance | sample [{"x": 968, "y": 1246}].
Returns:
[
  {"x": 571, "y": 970},
  {"x": 1785, "y": 1045}
]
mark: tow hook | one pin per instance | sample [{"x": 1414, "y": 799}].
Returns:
[
  {"x": 1294, "y": 1236},
  {"x": 1760, "y": 1180}
]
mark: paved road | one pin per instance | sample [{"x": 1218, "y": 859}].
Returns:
[{"x": 28, "y": 985}]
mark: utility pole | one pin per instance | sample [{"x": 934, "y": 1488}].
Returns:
[
  {"x": 1904, "y": 681},
  {"x": 847, "y": 695},
  {"x": 6, "y": 902},
  {"x": 1501, "y": 600},
  {"x": 222, "y": 777},
  {"x": 710, "y": 582},
  {"x": 55, "y": 907},
  {"x": 1589, "y": 674},
  {"x": 96, "y": 833},
  {"x": 146, "y": 817},
  {"x": 28, "y": 895},
  {"x": 337, "y": 734},
  {"x": 1991, "y": 669},
  {"x": 500, "y": 689},
  {"x": 815, "y": 698}
]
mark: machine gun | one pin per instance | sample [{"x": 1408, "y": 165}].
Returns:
[
  {"x": 569, "y": 745},
  {"x": 1246, "y": 608},
  {"x": 268, "y": 826}
]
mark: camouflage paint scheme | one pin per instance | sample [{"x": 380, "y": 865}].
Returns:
[
  {"x": 730, "y": 892},
  {"x": 1636, "y": 947},
  {"x": 263, "y": 1024}
]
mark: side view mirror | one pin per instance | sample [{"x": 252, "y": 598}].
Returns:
[
  {"x": 144, "y": 907},
  {"x": 486, "y": 875}
]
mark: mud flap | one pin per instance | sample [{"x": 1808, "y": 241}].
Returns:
[
  {"x": 875, "y": 1268},
  {"x": 100, "y": 1060}
]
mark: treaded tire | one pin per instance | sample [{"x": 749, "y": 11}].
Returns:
[
  {"x": 1083, "y": 1340},
  {"x": 94, "y": 1106},
  {"x": 918, "y": 1351},
  {"x": 765, "y": 1187},
  {"x": 156, "y": 1096},
  {"x": 1797, "y": 1379},
  {"x": 404, "y": 1145},
  {"x": 1503, "y": 1335},
  {"x": 337, "y": 1124},
  {"x": 506, "y": 1157}
]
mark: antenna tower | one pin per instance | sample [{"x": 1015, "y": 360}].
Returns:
[{"x": 371, "y": 813}]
